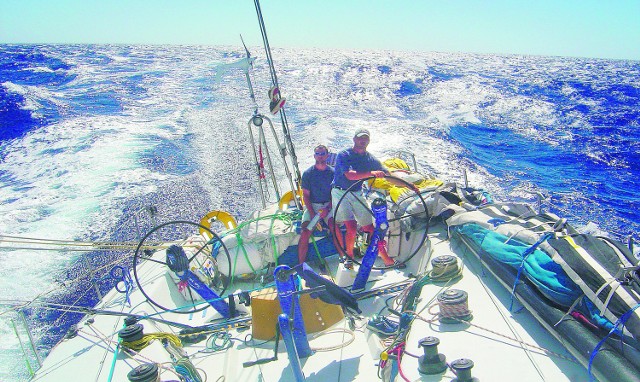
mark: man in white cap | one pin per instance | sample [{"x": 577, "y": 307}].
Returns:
[{"x": 352, "y": 165}]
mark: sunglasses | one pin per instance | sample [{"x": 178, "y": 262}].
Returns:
[{"x": 320, "y": 153}]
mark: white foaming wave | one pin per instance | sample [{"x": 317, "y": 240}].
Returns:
[
  {"x": 337, "y": 81},
  {"x": 66, "y": 181},
  {"x": 591, "y": 228},
  {"x": 68, "y": 177},
  {"x": 175, "y": 102},
  {"x": 219, "y": 140},
  {"x": 356, "y": 93},
  {"x": 444, "y": 103},
  {"x": 471, "y": 100},
  {"x": 452, "y": 103},
  {"x": 321, "y": 132},
  {"x": 39, "y": 69},
  {"x": 602, "y": 158},
  {"x": 34, "y": 96},
  {"x": 441, "y": 104}
]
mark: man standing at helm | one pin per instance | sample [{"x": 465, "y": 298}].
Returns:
[{"x": 352, "y": 165}]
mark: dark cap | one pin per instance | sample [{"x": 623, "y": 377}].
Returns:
[{"x": 361, "y": 132}]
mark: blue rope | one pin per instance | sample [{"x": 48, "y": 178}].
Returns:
[
  {"x": 113, "y": 362},
  {"x": 122, "y": 275},
  {"x": 186, "y": 373},
  {"x": 215, "y": 248},
  {"x": 621, "y": 321},
  {"x": 525, "y": 254}
]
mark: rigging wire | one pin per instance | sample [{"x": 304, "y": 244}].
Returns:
[
  {"x": 71, "y": 245},
  {"x": 274, "y": 80}
]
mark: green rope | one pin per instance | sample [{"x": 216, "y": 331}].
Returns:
[
  {"x": 246, "y": 256},
  {"x": 320, "y": 258},
  {"x": 235, "y": 260},
  {"x": 24, "y": 353},
  {"x": 113, "y": 362},
  {"x": 286, "y": 218},
  {"x": 212, "y": 342},
  {"x": 273, "y": 240}
]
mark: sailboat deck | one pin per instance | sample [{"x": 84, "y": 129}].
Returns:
[{"x": 501, "y": 344}]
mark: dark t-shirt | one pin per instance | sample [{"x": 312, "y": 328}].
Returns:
[
  {"x": 318, "y": 183},
  {"x": 350, "y": 160}
]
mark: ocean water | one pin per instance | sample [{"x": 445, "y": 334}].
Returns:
[{"x": 91, "y": 136}]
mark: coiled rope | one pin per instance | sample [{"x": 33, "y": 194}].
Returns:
[
  {"x": 334, "y": 347},
  {"x": 148, "y": 338},
  {"x": 453, "y": 304},
  {"x": 181, "y": 363}
]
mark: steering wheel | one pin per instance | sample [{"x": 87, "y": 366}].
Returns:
[
  {"x": 356, "y": 186},
  {"x": 152, "y": 271}
]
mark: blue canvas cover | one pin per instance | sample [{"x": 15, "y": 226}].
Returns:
[{"x": 549, "y": 277}]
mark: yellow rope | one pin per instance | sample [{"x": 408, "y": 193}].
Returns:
[{"x": 147, "y": 338}]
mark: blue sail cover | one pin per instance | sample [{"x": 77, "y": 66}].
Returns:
[{"x": 549, "y": 277}]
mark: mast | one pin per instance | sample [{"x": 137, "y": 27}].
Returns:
[{"x": 274, "y": 79}]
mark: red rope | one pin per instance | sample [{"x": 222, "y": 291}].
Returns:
[{"x": 261, "y": 163}]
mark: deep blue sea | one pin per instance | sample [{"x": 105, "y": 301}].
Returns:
[{"x": 91, "y": 135}]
